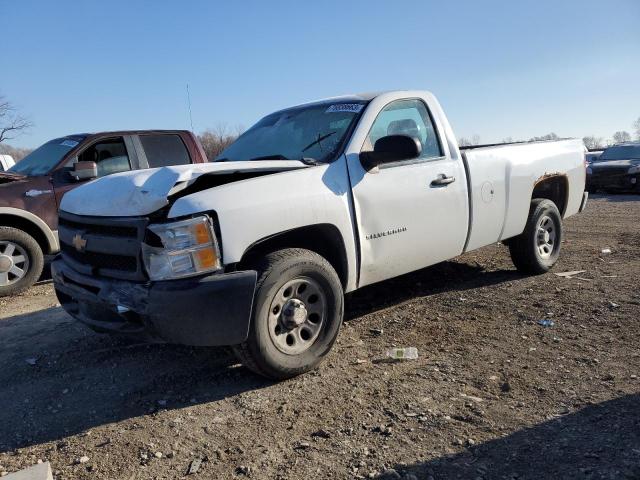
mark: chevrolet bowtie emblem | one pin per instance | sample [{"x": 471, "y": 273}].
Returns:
[{"x": 79, "y": 242}]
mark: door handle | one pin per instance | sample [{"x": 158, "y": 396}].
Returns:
[{"x": 442, "y": 180}]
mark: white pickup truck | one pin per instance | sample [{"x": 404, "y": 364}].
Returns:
[
  {"x": 6, "y": 162},
  {"x": 257, "y": 249}
]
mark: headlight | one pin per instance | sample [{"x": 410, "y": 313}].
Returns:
[
  {"x": 189, "y": 247},
  {"x": 633, "y": 170}
]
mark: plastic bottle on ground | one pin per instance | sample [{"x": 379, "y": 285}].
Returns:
[{"x": 407, "y": 353}]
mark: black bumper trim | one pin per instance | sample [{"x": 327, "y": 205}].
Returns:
[{"x": 199, "y": 311}]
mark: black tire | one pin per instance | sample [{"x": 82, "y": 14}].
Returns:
[
  {"x": 260, "y": 352},
  {"x": 526, "y": 253},
  {"x": 34, "y": 260}
]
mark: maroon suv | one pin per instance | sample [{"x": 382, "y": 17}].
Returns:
[{"x": 30, "y": 191}]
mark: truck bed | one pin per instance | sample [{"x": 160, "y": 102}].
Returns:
[
  {"x": 501, "y": 179},
  {"x": 501, "y": 144}
]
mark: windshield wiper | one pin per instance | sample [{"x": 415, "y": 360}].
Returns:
[
  {"x": 310, "y": 161},
  {"x": 276, "y": 156},
  {"x": 318, "y": 140}
]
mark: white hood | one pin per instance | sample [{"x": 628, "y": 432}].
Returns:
[{"x": 142, "y": 192}]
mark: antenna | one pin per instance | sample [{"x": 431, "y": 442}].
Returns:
[{"x": 189, "y": 104}]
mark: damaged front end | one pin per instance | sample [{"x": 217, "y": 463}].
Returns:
[
  {"x": 127, "y": 276},
  {"x": 126, "y": 268}
]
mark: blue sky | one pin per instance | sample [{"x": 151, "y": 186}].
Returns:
[{"x": 500, "y": 68}]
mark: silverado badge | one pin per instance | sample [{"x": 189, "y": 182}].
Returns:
[{"x": 79, "y": 242}]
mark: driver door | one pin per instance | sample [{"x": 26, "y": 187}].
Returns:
[{"x": 405, "y": 220}]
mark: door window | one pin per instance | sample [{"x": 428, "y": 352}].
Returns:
[
  {"x": 164, "y": 150},
  {"x": 406, "y": 117},
  {"x": 110, "y": 156}
]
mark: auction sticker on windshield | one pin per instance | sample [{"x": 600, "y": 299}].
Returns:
[
  {"x": 345, "y": 107},
  {"x": 69, "y": 143}
]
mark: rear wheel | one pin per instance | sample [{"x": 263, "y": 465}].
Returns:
[
  {"x": 21, "y": 261},
  {"x": 297, "y": 313},
  {"x": 537, "y": 248}
]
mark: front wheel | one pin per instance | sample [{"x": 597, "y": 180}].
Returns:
[
  {"x": 297, "y": 313},
  {"x": 537, "y": 248},
  {"x": 21, "y": 261}
]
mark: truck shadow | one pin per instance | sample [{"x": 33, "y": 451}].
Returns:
[
  {"x": 446, "y": 276},
  {"x": 598, "y": 441},
  {"x": 59, "y": 379}
]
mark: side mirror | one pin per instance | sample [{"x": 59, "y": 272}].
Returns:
[
  {"x": 84, "y": 170},
  {"x": 392, "y": 148}
]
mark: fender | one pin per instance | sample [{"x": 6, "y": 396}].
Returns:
[
  {"x": 51, "y": 236},
  {"x": 263, "y": 207}
]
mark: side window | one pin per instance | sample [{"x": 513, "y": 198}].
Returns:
[
  {"x": 110, "y": 156},
  {"x": 406, "y": 117},
  {"x": 164, "y": 150}
]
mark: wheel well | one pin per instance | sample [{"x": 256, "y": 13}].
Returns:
[
  {"x": 554, "y": 188},
  {"x": 324, "y": 239},
  {"x": 28, "y": 227}
]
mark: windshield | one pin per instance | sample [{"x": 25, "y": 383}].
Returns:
[
  {"x": 45, "y": 157},
  {"x": 314, "y": 132},
  {"x": 624, "y": 152}
]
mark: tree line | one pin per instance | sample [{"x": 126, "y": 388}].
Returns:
[{"x": 592, "y": 142}]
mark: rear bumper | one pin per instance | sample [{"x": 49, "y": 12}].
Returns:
[{"x": 200, "y": 311}]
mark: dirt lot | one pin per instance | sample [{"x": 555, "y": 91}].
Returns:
[{"x": 492, "y": 395}]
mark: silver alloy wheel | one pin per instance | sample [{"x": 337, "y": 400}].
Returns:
[
  {"x": 14, "y": 263},
  {"x": 296, "y": 315},
  {"x": 546, "y": 236}
]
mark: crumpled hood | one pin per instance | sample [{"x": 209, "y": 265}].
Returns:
[{"x": 142, "y": 192}]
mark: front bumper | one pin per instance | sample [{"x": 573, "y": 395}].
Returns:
[
  {"x": 200, "y": 311},
  {"x": 613, "y": 181}
]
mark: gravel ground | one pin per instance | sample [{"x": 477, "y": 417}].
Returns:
[{"x": 493, "y": 394}]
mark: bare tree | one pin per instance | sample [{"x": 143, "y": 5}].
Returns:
[
  {"x": 621, "y": 137},
  {"x": 215, "y": 140},
  {"x": 468, "y": 142},
  {"x": 548, "y": 136},
  {"x": 11, "y": 123},
  {"x": 592, "y": 142},
  {"x": 636, "y": 126}
]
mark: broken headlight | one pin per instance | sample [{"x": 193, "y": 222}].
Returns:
[{"x": 181, "y": 249}]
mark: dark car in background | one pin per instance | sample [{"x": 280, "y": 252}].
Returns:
[
  {"x": 31, "y": 190},
  {"x": 616, "y": 170}
]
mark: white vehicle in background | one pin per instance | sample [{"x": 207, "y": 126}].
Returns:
[
  {"x": 257, "y": 249},
  {"x": 6, "y": 162}
]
